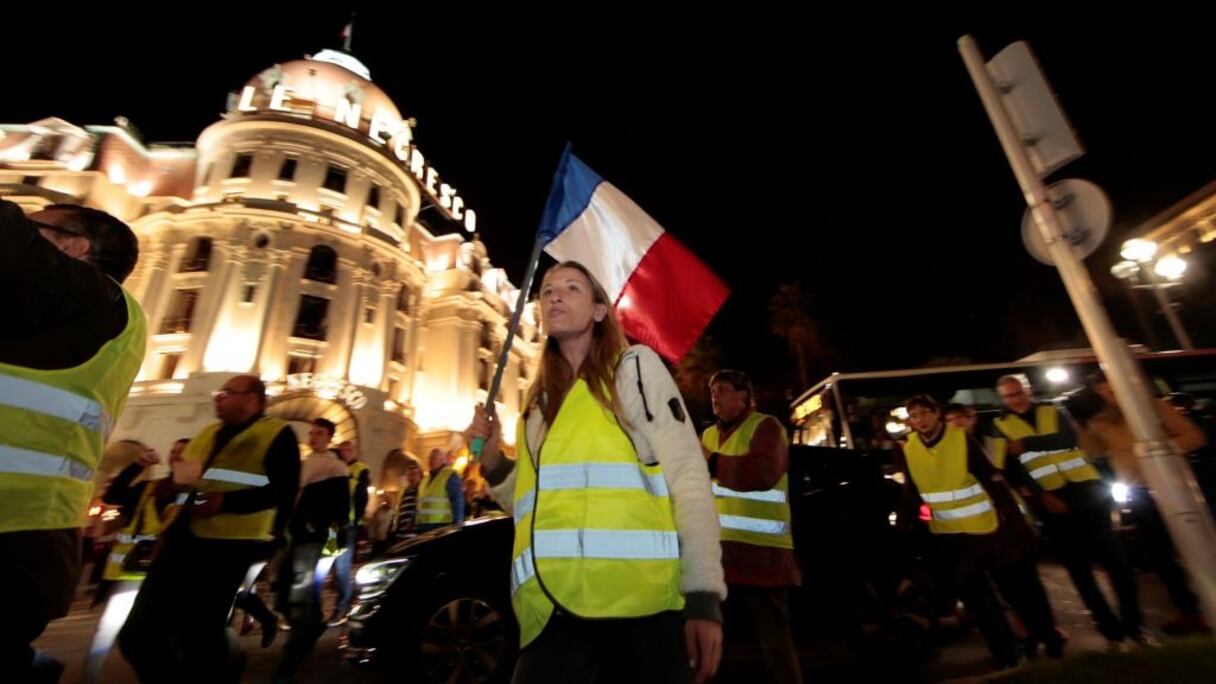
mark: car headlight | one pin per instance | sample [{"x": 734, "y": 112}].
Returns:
[
  {"x": 374, "y": 578},
  {"x": 1120, "y": 492}
]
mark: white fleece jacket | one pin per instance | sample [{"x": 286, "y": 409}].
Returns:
[{"x": 662, "y": 432}]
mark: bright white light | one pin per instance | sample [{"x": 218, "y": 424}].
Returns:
[
  {"x": 1138, "y": 249},
  {"x": 1170, "y": 267},
  {"x": 894, "y": 427},
  {"x": 624, "y": 303},
  {"x": 1057, "y": 375},
  {"x": 1120, "y": 492},
  {"x": 892, "y": 519},
  {"x": 900, "y": 413}
]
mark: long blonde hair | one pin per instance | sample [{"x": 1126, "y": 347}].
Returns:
[{"x": 555, "y": 377}]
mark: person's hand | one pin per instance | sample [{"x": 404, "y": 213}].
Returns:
[
  {"x": 1054, "y": 504},
  {"x": 486, "y": 426},
  {"x": 1016, "y": 448},
  {"x": 207, "y": 504},
  {"x": 706, "y": 452},
  {"x": 704, "y": 641},
  {"x": 148, "y": 458}
]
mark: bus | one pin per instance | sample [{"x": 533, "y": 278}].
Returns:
[{"x": 864, "y": 411}]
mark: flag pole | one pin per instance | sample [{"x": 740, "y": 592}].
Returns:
[{"x": 477, "y": 444}]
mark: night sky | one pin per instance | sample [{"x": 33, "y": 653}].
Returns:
[{"x": 848, "y": 154}]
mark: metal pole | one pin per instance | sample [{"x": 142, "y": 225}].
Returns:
[
  {"x": 478, "y": 443},
  {"x": 1172, "y": 484},
  {"x": 1166, "y": 307}
]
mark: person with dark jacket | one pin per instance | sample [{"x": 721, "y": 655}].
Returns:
[
  {"x": 244, "y": 473},
  {"x": 976, "y": 527},
  {"x": 73, "y": 343},
  {"x": 1060, "y": 483},
  {"x": 322, "y": 510}
]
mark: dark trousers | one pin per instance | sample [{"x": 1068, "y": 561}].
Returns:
[
  {"x": 1084, "y": 535},
  {"x": 1154, "y": 540},
  {"x": 768, "y": 611},
  {"x": 300, "y": 600},
  {"x": 1019, "y": 583},
  {"x": 342, "y": 570},
  {"x": 634, "y": 651},
  {"x": 178, "y": 627},
  {"x": 969, "y": 561},
  {"x": 39, "y": 570}
]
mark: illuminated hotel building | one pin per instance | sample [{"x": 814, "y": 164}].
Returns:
[{"x": 286, "y": 242}]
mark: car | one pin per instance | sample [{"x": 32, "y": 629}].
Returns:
[{"x": 438, "y": 607}]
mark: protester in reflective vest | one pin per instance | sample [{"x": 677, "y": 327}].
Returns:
[
  {"x": 441, "y": 494},
  {"x": 148, "y": 505},
  {"x": 748, "y": 458},
  {"x": 612, "y": 505},
  {"x": 71, "y": 346},
  {"x": 977, "y": 529},
  {"x": 1065, "y": 490},
  {"x": 246, "y": 470}
]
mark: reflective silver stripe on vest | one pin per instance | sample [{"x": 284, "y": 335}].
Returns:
[
  {"x": 964, "y": 512},
  {"x": 525, "y": 505},
  {"x": 769, "y": 496},
  {"x": 758, "y": 525},
  {"x": 601, "y": 476},
  {"x": 435, "y": 511},
  {"x": 522, "y": 569},
  {"x": 1032, "y": 455},
  {"x": 235, "y": 477},
  {"x": 616, "y": 544},
  {"x": 1040, "y": 473},
  {"x": 53, "y": 401},
  {"x": 117, "y": 557},
  {"x": 954, "y": 495},
  {"x": 128, "y": 539},
  {"x": 1072, "y": 464},
  {"x": 181, "y": 499},
  {"x": 26, "y": 462}
]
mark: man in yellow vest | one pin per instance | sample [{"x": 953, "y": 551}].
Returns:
[
  {"x": 748, "y": 457},
  {"x": 247, "y": 472},
  {"x": 441, "y": 494},
  {"x": 359, "y": 479},
  {"x": 73, "y": 342},
  {"x": 977, "y": 530},
  {"x": 1066, "y": 492}
]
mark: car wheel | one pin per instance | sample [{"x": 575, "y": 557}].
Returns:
[{"x": 465, "y": 639}]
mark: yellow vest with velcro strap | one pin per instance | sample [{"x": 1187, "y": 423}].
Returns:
[
  {"x": 355, "y": 471},
  {"x": 959, "y": 503},
  {"x": 54, "y": 425},
  {"x": 434, "y": 506},
  {"x": 1051, "y": 469},
  {"x": 595, "y": 534},
  {"x": 755, "y": 517},
  {"x": 239, "y": 465},
  {"x": 145, "y": 525}
]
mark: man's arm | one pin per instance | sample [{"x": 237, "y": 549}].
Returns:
[
  {"x": 361, "y": 496},
  {"x": 1064, "y": 437},
  {"x": 456, "y": 496}
]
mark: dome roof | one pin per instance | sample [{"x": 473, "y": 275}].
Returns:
[{"x": 323, "y": 79}]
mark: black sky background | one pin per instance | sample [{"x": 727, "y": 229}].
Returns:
[{"x": 848, "y": 153}]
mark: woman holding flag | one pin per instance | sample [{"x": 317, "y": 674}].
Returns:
[{"x": 616, "y": 572}]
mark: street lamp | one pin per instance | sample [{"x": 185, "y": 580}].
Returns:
[
  {"x": 1138, "y": 249},
  {"x": 1170, "y": 267},
  {"x": 1139, "y": 264}
]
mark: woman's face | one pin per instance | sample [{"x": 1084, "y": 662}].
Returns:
[{"x": 567, "y": 304}]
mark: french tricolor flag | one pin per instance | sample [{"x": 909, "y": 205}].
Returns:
[{"x": 663, "y": 294}]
